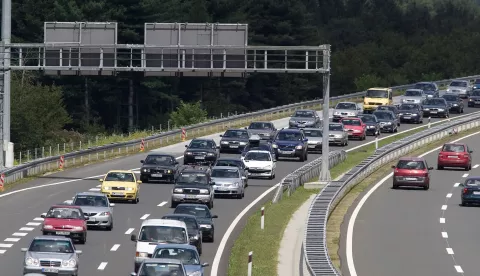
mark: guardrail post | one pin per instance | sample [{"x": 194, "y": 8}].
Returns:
[
  {"x": 376, "y": 142},
  {"x": 250, "y": 259},
  {"x": 262, "y": 219},
  {"x": 429, "y": 125}
]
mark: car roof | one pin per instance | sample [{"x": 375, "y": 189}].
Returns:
[
  {"x": 261, "y": 151},
  {"x": 181, "y": 215},
  {"x": 193, "y": 205},
  {"x": 311, "y": 128},
  {"x": 229, "y": 159},
  {"x": 160, "y": 154},
  {"x": 66, "y": 206},
  {"x": 91, "y": 194},
  {"x": 305, "y": 110},
  {"x": 175, "y": 245},
  {"x": 52, "y": 237},
  {"x": 202, "y": 139},
  {"x": 120, "y": 171},
  {"x": 164, "y": 222},
  {"x": 473, "y": 177},
  {"x": 352, "y": 118},
  {"x": 237, "y": 129},
  {"x": 263, "y": 122},
  {"x": 459, "y": 81},
  {"x": 159, "y": 261},
  {"x": 383, "y": 110},
  {"x": 411, "y": 158},
  {"x": 290, "y": 130},
  {"x": 347, "y": 102},
  {"x": 389, "y": 105},
  {"x": 226, "y": 168}
]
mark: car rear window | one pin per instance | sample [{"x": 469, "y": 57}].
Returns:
[
  {"x": 411, "y": 165},
  {"x": 453, "y": 148},
  {"x": 472, "y": 182}
]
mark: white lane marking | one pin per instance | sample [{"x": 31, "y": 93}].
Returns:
[
  {"x": 144, "y": 217},
  {"x": 5, "y": 245},
  {"x": 94, "y": 189},
  {"x": 19, "y": 234},
  {"x": 38, "y": 219},
  {"x": 445, "y": 235},
  {"x": 3, "y": 251},
  {"x": 162, "y": 204},
  {"x": 465, "y": 175},
  {"x": 456, "y": 184},
  {"x": 353, "y": 217},
  {"x": 26, "y": 229},
  {"x": 449, "y": 195},
  {"x": 98, "y": 186},
  {"x": 458, "y": 269},
  {"x": 476, "y": 166},
  {"x": 450, "y": 251},
  {"x": 444, "y": 207},
  {"x": 34, "y": 223},
  {"x": 11, "y": 239},
  {"x": 115, "y": 247},
  {"x": 102, "y": 266},
  {"x": 129, "y": 231}
]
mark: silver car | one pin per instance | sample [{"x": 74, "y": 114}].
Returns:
[
  {"x": 337, "y": 134},
  {"x": 346, "y": 109},
  {"x": 315, "y": 137},
  {"x": 304, "y": 118},
  {"x": 228, "y": 181},
  {"x": 264, "y": 130},
  {"x": 460, "y": 87},
  {"x": 51, "y": 255},
  {"x": 413, "y": 96},
  {"x": 96, "y": 207}
]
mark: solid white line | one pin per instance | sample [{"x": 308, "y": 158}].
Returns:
[
  {"x": 353, "y": 217},
  {"x": 5, "y": 245},
  {"x": 26, "y": 229},
  {"x": 96, "y": 189},
  {"x": 102, "y": 266},
  {"x": 450, "y": 251},
  {"x": 162, "y": 204},
  {"x": 18, "y": 234},
  {"x": 458, "y": 269},
  {"x": 129, "y": 231},
  {"x": 38, "y": 219},
  {"x": 445, "y": 235},
  {"x": 34, "y": 223},
  {"x": 3, "y": 251},
  {"x": 145, "y": 216},
  {"x": 115, "y": 247},
  {"x": 449, "y": 195},
  {"x": 444, "y": 207},
  {"x": 11, "y": 239},
  {"x": 456, "y": 184},
  {"x": 465, "y": 175},
  {"x": 476, "y": 166}
]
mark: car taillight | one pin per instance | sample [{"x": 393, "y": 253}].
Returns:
[{"x": 465, "y": 190}]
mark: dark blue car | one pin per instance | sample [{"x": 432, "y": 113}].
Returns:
[
  {"x": 291, "y": 143},
  {"x": 471, "y": 191}
]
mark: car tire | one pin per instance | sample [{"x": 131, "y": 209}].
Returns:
[
  {"x": 110, "y": 227},
  {"x": 200, "y": 249},
  {"x": 467, "y": 168},
  {"x": 461, "y": 110},
  {"x": 426, "y": 187},
  {"x": 439, "y": 167},
  {"x": 463, "y": 203},
  {"x": 136, "y": 200},
  {"x": 212, "y": 239},
  {"x": 83, "y": 240},
  {"x": 173, "y": 204},
  {"x": 301, "y": 158},
  {"x": 394, "y": 186},
  {"x": 210, "y": 204}
]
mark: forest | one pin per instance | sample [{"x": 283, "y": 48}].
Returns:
[{"x": 374, "y": 43}]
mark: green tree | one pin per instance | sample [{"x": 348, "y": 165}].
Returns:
[{"x": 188, "y": 114}]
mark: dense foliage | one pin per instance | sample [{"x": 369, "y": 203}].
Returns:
[{"x": 374, "y": 43}]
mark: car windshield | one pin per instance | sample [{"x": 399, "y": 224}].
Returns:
[
  {"x": 312, "y": 133},
  {"x": 476, "y": 93},
  {"x": 351, "y": 106},
  {"x": 65, "y": 213},
  {"x": 434, "y": 102},
  {"x": 229, "y": 163},
  {"x": 186, "y": 256},
  {"x": 198, "y": 211},
  {"x": 201, "y": 144},
  {"x": 161, "y": 233},
  {"x": 477, "y": 81},
  {"x": 424, "y": 86},
  {"x": 304, "y": 113},
  {"x": 289, "y": 136},
  {"x": 453, "y": 148},
  {"x": 386, "y": 107},
  {"x": 472, "y": 182},
  {"x": 369, "y": 119},
  {"x": 450, "y": 98},
  {"x": 259, "y": 125},
  {"x": 335, "y": 127},
  {"x": 51, "y": 246},
  {"x": 161, "y": 269},
  {"x": 408, "y": 107},
  {"x": 410, "y": 165},
  {"x": 189, "y": 221},
  {"x": 162, "y": 160},
  {"x": 119, "y": 176},
  {"x": 225, "y": 173},
  {"x": 383, "y": 115},
  {"x": 192, "y": 178},
  {"x": 90, "y": 200},
  {"x": 413, "y": 93},
  {"x": 257, "y": 156},
  {"x": 458, "y": 84},
  {"x": 372, "y": 93},
  {"x": 243, "y": 134},
  {"x": 349, "y": 122}
]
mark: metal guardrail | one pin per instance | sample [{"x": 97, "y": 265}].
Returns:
[
  {"x": 42, "y": 165},
  {"x": 315, "y": 248}
]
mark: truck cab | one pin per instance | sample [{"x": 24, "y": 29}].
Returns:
[{"x": 375, "y": 97}]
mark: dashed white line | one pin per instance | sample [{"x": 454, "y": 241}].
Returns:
[
  {"x": 442, "y": 220},
  {"x": 98, "y": 186},
  {"x": 145, "y": 216},
  {"x": 34, "y": 223},
  {"x": 102, "y": 266},
  {"x": 3, "y": 251},
  {"x": 476, "y": 166},
  {"x": 94, "y": 190},
  {"x": 12, "y": 239},
  {"x": 450, "y": 251},
  {"x": 458, "y": 269},
  {"x": 38, "y": 219},
  {"x": 444, "y": 207},
  {"x": 465, "y": 175},
  {"x": 449, "y": 195},
  {"x": 19, "y": 234},
  {"x": 162, "y": 204},
  {"x": 445, "y": 235},
  {"x": 5, "y": 245},
  {"x": 115, "y": 247},
  {"x": 26, "y": 229},
  {"x": 129, "y": 231},
  {"x": 456, "y": 184}
]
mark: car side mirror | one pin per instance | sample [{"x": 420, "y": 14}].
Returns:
[
  {"x": 186, "y": 146},
  {"x": 246, "y": 168},
  {"x": 470, "y": 151},
  {"x": 244, "y": 178},
  {"x": 42, "y": 216},
  {"x": 133, "y": 237},
  {"x": 142, "y": 161},
  {"x": 24, "y": 249},
  {"x": 393, "y": 167},
  {"x": 214, "y": 216},
  {"x": 217, "y": 147},
  {"x": 101, "y": 180},
  {"x": 175, "y": 162},
  {"x": 212, "y": 183},
  {"x": 430, "y": 168},
  {"x": 133, "y": 274},
  {"x": 205, "y": 264},
  {"x": 246, "y": 128},
  {"x": 86, "y": 218},
  {"x": 79, "y": 252},
  {"x": 139, "y": 182},
  {"x": 112, "y": 204},
  {"x": 221, "y": 135},
  {"x": 305, "y": 140},
  {"x": 363, "y": 97}
]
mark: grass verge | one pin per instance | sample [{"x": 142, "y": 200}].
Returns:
[
  {"x": 265, "y": 243},
  {"x": 337, "y": 216}
]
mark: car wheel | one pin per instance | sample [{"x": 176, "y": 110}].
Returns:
[
  {"x": 212, "y": 239},
  {"x": 301, "y": 158},
  {"x": 463, "y": 203},
  {"x": 461, "y": 110},
  {"x": 110, "y": 227},
  {"x": 439, "y": 167},
  {"x": 173, "y": 204},
  {"x": 83, "y": 240},
  {"x": 200, "y": 249},
  {"x": 426, "y": 187},
  {"x": 306, "y": 155},
  {"x": 394, "y": 186},
  {"x": 467, "y": 168},
  {"x": 396, "y": 129},
  {"x": 210, "y": 204}
]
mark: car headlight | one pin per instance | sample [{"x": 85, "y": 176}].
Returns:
[
  {"x": 178, "y": 190},
  {"x": 205, "y": 226},
  {"x": 146, "y": 170},
  {"x": 194, "y": 237},
  {"x": 371, "y": 126},
  {"x": 32, "y": 262},
  {"x": 414, "y": 115},
  {"x": 211, "y": 154},
  {"x": 269, "y": 167},
  {"x": 426, "y": 109},
  {"x": 388, "y": 123},
  {"x": 299, "y": 147},
  {"x": 142, "y": 254},
  {"x": 224, "y": 142},
  {"x": 401, "y": 114},
  {"x": 48, "y": 226},
  {"x": 336, "y": 113},
  {"x": 470, "y": 100},
  {"x": 242, "y": 143},
  {"x": 235, "y": 184},
  {"x": 195, "y": 273},
  {"x": 204, "y": 191},
  {"x": 455, "y": 104},
  {"x": 106, "y": 188},
  {"x": 129, "y": 189},
  {"x": 77, "y": 228},
  {"x": 319, "y": 142},
  {"x": 440, "y": 109},
  {"x": 103, "y": 214},
  {"x": 274, "y": 146},
  {"x": 292, "y": 121},
  {"x": 69, "y": 263}
]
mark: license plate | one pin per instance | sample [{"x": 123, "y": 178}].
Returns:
[
  {"x": 407, "y": 117},
  {"x": 301, "y": 125},
  {"x": 285, "y": 152},
  {"x": 63, "y": 233},
  {"x": 234, "y": 146},
  {"x": 117, "y": 193},
  {"x": 255, "y": 174},
  {"x": 200, "y": 157},
  {"x": 476, "y": 193},
  {"x": 433, "y": 112},
  {"x": 190, "y": 196},
  {"x": 50, "y": 270},
  {"x": 453, "y": 156},
  {"x": 410, "y": 178},
  {"x": 91, "y": 219},
  {"x": 157, "y": 175},
  {"x": 221, "y": 189},
  {"x": 311, "y": 146},
  {"x": 331, "y": 139}
]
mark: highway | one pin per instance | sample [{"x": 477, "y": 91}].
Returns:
[
  {"x": 415, "y": 232},
  {"x": 112, "y": 253}
]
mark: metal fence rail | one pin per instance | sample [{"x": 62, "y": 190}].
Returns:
[
  {"x": 42, "y": 165},
  {"x": 315, "y": 248}
]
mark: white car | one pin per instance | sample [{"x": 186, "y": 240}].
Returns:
[{"x": 260, "y": 163}]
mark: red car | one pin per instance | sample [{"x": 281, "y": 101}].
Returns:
[
  {"x": 356, "y": 128},
  {"x": 66, "y": 221},
  {"x": 455, "y": 155},
  {"x": 411, "y": 172}
]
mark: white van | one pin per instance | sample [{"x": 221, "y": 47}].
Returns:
[{"x": 157, "y": 231}]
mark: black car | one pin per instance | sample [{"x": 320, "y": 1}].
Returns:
[
  {"x": 233, "y": 162},
  {"x": 429, "y": 88},
  {"x": 455, "y": 103},
  {"x": 204, "y": 218},
  {"x": 193, "y": 228},
  {"x": 158, "y": 167},
  {"x": 256, "y": 144},
  {"x": 234, "y": 140},
  {"x": 410, "y": 112},
  {"x": 373, "y": 125},
  {"x": 201, "y": 151},
  {"x": 474, "y": 98},
  {"x": 435, "y": 107},
  {"x": 392, "y": 108},
  {"x": 194, "y": 185},
  {"x": 388, "y": 120}
]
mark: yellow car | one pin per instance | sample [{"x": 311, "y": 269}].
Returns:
[
  {"x": 375, "y": 97},
  {"x": 121, "y": 185}
]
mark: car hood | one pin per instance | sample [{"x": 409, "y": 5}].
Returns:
[
  {"x": 223, "y": 180},
  {"x": 457, "y": 87},
  {"x": 260, "y": 131},
  {"x": 433, "y": 106},
  {"x": 192, "y": 268},
  {"x": 288, "y": 143},
  {"x": 199, "y": 150},
  {"x": 119, "y": 184},
  {"x": 302, "y": 119},
  {"x": 257, "y": 164},
  {"x": 344, "y": 111},
  {"x": 336, "y": 132},
  {"x": 51, "y": 255},
  {"x": 193, "y": 232},
  {"x": 94, "y": 209},
  {"x": 353, "y": 127},
  {"x": 149, "y": 247},
  {"x": 190, "y": 186},
  {"x": 385, "y": 120},
  {"x": 409, "y": 111},
  {"x": 371, "y": 123},
  {"x": 204, "y": 220},
  {"x": 55, "y": 222},
  {"x": 158, "y": 167},
  {"x": 233, "y": 139},
  {"x": 314, "y": 140}
]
